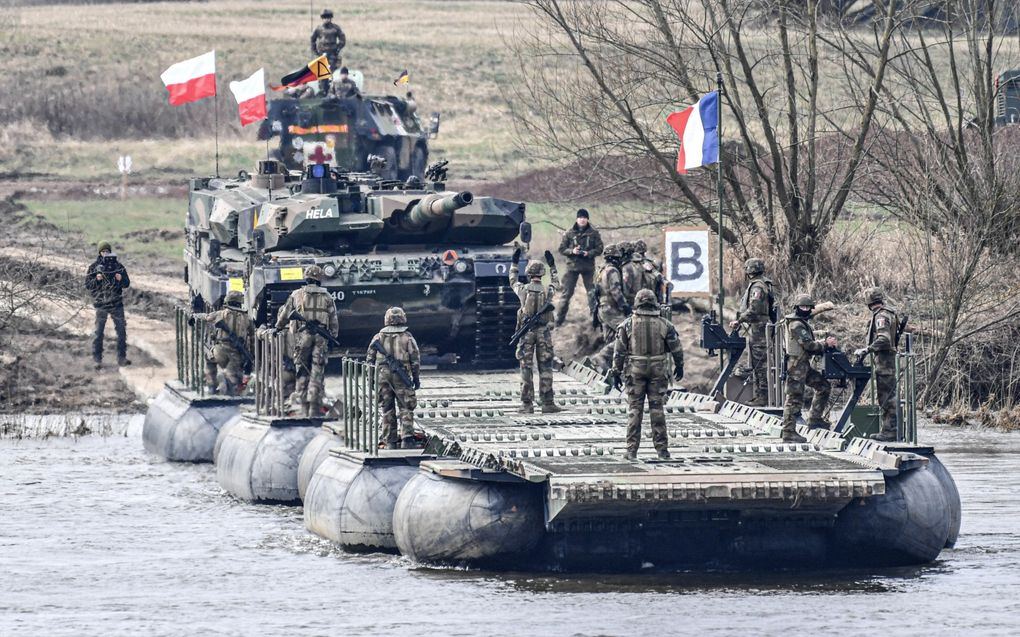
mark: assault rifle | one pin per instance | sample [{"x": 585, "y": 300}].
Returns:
[
  {"x": 530, "y": 323},
  {"x": 902, "y": 327},
  {"x": 316, "y": 327},
  {"x": 393, "y": 364},
  {"x": 237, "y": 343},
  {"x": 593, "y": 305}
]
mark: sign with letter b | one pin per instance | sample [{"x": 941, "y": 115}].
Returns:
[{"x": 687, "y": 261}]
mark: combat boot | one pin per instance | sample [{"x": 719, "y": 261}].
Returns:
[
  {"x": 631, "y": 454},
  {"x": 664, "y": 454},
  {"x": 551, "y": 408},
  {"x": 409, "y": 442},
  {"x": 527, "y": 408},
  {"x": 123, "y": 362},
  {"x": 818, "y": 423},
  {"x": 791, "y": 435},
  {"x": 885, "y": 436},
  {"x": 392, "y": 444},
  {"x": 758, "y": 401}
]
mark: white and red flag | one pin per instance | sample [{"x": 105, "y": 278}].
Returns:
[
  {"x": 251, "y": 97},
  {"x": 191, "y": 80}
]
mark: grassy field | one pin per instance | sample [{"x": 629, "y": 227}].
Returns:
[
  {"x": 137, "y": 228},
  {"x": 105, "y": 61}
]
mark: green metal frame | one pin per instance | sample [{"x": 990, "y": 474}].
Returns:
[{"x": 360, "y": 409}]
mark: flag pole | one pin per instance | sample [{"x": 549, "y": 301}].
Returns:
[
  {"x": 719, "y": 194},
  {"x": 216, "y": 128}
]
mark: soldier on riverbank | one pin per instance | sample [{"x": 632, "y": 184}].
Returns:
[
  {"x": 106, "y": 279},
  {"x": 580, "y": 245}
]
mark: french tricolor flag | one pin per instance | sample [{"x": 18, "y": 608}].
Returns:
[
  {"x": 191, "y": 80},
  {"x": 697, "y": 127},
  {"x": 251, "y": 97}
]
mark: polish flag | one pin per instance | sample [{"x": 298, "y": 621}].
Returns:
[
  {"x": 251, "y": 97},
  {"x": 191, "y": 80},
  {"x": 697, "y": 127}
]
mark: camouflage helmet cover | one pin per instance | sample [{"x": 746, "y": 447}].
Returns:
[
  {"x": 640, "y": 246},
  {"x": 626, "y": 248},
  {"x": 645, "y": 298},
  {"x": 313, "y": 272},
  {"x": 804, "y": 300},
  {"x": 754, "y": 266},
  {"x": 873, "y": 296},
  {"x": 395, "y": 316},
  {"x": 234, "y": 298},
  {"x": 612, "y": 251},
  {"x": 535, "y": 268}
]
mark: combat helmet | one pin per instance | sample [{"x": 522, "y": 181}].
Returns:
[
  {"x": 395, "y": 316},
  {"x": 803, "y": 300},
  {"x": 234, "y": 298},
  {"x": 645, "y": 298},
  {"x": 874, "y": 296},
  {"x": 313, "y": 273},
  {"x": 535, "y": 268},
  {"x": 640, "y": 246},
  {"x": 612, "y": 252},
  {"x": 754, "y": 267},
  {"x": 626, "y": 249},
  {"x": 326, "y": 13}
]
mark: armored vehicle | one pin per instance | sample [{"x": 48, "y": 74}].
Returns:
[
  {"x": 348, "y": 131},
  {"x": 441, "y": 255}
]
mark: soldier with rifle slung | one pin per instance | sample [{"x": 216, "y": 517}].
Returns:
[
  {"x": 534, "y": 335},
  {"x": 231, "y": 342},
  {"x": 312, "y": 317},
  {"x": 644, "y": 343},
  {"x": 395, "y": 352},
  {"x": 801, "y": 346},
  {"x": 612, "y": 307},
  {"x": 883, "y": 338},
  {"x": 757, "y": 309}
]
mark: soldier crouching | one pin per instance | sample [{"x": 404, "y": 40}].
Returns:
[
  {"x": 644, "y": 343},
  {"x": 535, "y": 347},
  {"x": 398, "y": 361}
]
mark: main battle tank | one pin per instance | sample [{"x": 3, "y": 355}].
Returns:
[{"x": 441, "y": 255}]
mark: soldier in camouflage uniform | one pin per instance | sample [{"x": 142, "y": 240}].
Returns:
[
  {"x": 580, "y": 245},
  {"x": 882, "y": 346},
  {"x": 314, "y": 303},
  {"x": 640, "y": 273},
  {"x": 644, "y": 343},
  {"x": 801, "y": 346},
  {"x": 343, "y": 86},
  {"x": 613, "y": 306},
  {"x": 535, "y": 347},
  {"x": 391, "y": 391},
  {"x": 225, "y": 355},
  {"x": 328, "y": 39},
  {"x": 756, "y": 311}
]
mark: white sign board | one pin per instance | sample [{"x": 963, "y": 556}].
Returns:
[
  {"x": 124, "y": 164},
  {"x": 687, "y": 261}
]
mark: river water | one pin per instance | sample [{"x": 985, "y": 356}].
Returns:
[{"x": 97, "y": 538}]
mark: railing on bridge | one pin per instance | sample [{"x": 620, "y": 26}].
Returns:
[
  {"x": 360, "y": 409},
  {"x": 273, "y": 367},
  {"x": 906, "y": 391},
  {"x": 191, "y": 338}
]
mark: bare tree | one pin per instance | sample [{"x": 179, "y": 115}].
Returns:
[
  {"x": 600, "y": 77},
  {"x": 948, "y": 169}
]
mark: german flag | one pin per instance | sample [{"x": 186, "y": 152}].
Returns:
[
  {"x": 317, "y": 69},
  {"x": 404, "y": 78}
]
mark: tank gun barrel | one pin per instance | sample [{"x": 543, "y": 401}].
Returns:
[{"x": 436, "y": 208}]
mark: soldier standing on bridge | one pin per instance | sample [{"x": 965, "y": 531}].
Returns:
[
  {"x": 392, "y": 390},
  {"x": 535, "y": 347},
  {"x": 317, "y": 309},
  {"x": 328, "y": 39},
  {"x": 644, "y": 343},
  {"x": 757, "y": 308},
  {"x": 231, "y": 345},
  {"x": 882, "y": 339},
  {"x": 612, "y": 307},
  {"x": 801, "y": 346},
  {"x": 580, "y": 245}
]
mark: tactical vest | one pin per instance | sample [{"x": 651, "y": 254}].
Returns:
[
  {"x": 766, "y": 286},
  {"x": 328, "y": 37},
  {"x": 532, "y": 297},
  {"x": 313, "y": 304},
  {"x": 395, "y": 344},
  {"x": 647, "y": 335},
  {"x": 793, "y": 347},
  {"x": 237, "y": 322},
  {"x": 890, "y": 329},
  {"x": 605, "y": 296}
]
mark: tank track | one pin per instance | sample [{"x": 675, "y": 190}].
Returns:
[{"x": 495, "y": 322}]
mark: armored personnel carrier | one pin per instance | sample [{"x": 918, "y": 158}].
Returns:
[
  {"x": 441, "y": 255},
  {"x": 350, "y": 131}
]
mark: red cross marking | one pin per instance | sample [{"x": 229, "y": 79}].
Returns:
[{"x": 319, "y": 156}]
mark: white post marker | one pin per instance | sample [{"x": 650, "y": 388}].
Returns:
[
  {"x": 687, "y": 262},
  {"x": 124, "y": 166}
]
